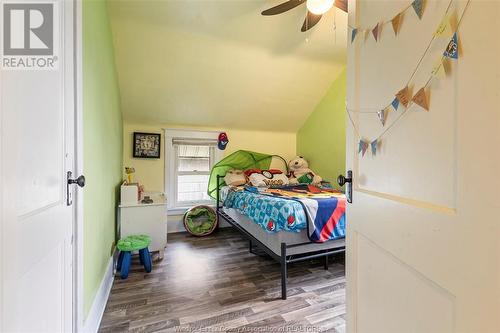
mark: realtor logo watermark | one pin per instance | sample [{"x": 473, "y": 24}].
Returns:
[{"x": 30, "y": 35}]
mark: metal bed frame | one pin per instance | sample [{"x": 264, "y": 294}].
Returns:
[{"x": 284, "y": 259}]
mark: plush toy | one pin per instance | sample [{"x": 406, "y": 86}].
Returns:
[
  {"x": 222, "y": 141},
  {"x": 300, "y": 172},
  {"x": 235, "y": 178},
  {"x": 266, "y": 178}
]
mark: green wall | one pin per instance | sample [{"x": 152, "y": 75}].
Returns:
[
  {"x": 103, "y": 145},
  {"x": 321, "y": 139}
]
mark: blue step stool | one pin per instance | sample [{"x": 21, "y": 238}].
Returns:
[{"x": 133, "y": 243}]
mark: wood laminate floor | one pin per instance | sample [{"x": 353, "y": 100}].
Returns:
[{"x": 213, "y": 284}]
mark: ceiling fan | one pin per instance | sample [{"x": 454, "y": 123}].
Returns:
[{"x": 315, "y": 9}]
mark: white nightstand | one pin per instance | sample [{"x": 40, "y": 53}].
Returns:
[{"x": 148, "y": 219}]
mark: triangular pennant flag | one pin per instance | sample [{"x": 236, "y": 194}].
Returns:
[
  {"x": 363, "y": 146},
  {"x": 395, "y": 103},
  {"x": 375, "y": 32},
  {"x": 418, "y": 7},
  {"x": 367, "y": 33},
  {"x": 382, "y": 115},
  {"x": 444, "y": 29},
  {"x": 354, "y": 33},
  {"x": 374, "y": 145},
  {"x": 446, "y": 65},
  {"x": 402, "y": 96},
  {"x": 396, "y": 20},
  {"x": 452, "y": 48},
  {"x": 438, "y": 69},
  {"x": 420, "y": 98}
]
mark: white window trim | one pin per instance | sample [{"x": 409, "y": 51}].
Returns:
[
  {"x": 176, "y": 173},
  {"x": 170, "y": 164}
]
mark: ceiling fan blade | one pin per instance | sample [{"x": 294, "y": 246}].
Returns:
[
  {"x": 341, "y": 4},
  {"x": 310, "y": 21},
  {"x": 283, "y": 7}
]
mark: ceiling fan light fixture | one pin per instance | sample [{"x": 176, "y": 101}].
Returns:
[{"x": 319, "y": 7}]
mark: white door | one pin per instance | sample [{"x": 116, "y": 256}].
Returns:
[
  {"x": 37, "y": 149},
  {"x": 423, "y": 244}
]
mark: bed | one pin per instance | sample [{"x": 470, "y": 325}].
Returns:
[{"x": 286, "y": 240}]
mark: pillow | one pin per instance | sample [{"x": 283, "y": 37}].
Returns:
[
  {"x": 248, "y": 172},
  {"x": 267, "y": 177},
  {"x": 235, "y": 178}
]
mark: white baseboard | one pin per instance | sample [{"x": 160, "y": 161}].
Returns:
[{"x": 93, "y": 320}]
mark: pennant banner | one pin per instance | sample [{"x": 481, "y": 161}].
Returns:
[
  {"x": 452, "y": 48},
  {"x": 395, "y": 23},
  {"x": 375, "y": 32},
  {"x": 354, "y": 33},
  {"x": 444, "y": 29},
  {"x": 418, "y": 6},
  {"x": 367, "y": 34},
  {"x": 363, "y": 146},
  {"x": 382, "y": 115},
  {"x": 374, "y": 145},
  {"x": 395, "y": 103},
  {"x": 439, "y": 70},
  {"x": 402, "y": 96},
  {"x": 421, "y": 99}
]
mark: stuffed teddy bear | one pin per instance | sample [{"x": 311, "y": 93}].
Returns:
[{"x": 300, "y": 172}]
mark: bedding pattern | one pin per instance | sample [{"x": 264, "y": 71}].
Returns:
[
  {"x": 293, "y": 208},
  {"x": 326, "y": 218},
  {"x": 272, "y": 213},
  {"x": 325, "y": 210}
]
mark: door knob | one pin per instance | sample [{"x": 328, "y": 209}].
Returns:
[
  {"x": 80, "y": 181},
  {"x": 341, "y": 180}
]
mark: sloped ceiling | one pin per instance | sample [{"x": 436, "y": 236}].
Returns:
[{"x": 220, "y": 63}]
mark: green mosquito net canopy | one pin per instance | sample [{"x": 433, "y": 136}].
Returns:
[{"x": 239, "y": 160}]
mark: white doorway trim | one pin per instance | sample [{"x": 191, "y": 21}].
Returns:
[
  {"x": 1, "y": 215},
  {"x": 78, "y": 278}
]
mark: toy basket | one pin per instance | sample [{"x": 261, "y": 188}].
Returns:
[{"x": 200, "y": 220}]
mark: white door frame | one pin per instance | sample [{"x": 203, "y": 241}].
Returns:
[
  {"x": 78, "y": 285},
  {"x": 1, "y": 214}
]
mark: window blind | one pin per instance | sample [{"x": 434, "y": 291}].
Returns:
[{"x": 194, "y": 142}]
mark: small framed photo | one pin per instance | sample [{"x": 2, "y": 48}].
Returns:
[{"x": 147, "y": 145}]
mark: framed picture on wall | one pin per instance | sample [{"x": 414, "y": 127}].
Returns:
[{"x": 146, "y": 145}]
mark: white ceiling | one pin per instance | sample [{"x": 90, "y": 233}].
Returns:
[{"x": 220, "y": 63}]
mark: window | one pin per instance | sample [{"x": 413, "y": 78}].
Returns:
[
  {"x": 193, "y": 165},
  {"x": 190, "y": 156}
]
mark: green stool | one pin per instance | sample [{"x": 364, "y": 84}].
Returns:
[{"x": 126, "y": 246}]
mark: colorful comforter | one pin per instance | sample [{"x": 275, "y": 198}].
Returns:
[
  {"x": 272, "y": 213},
  {"x": 293, "y": 208}
]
